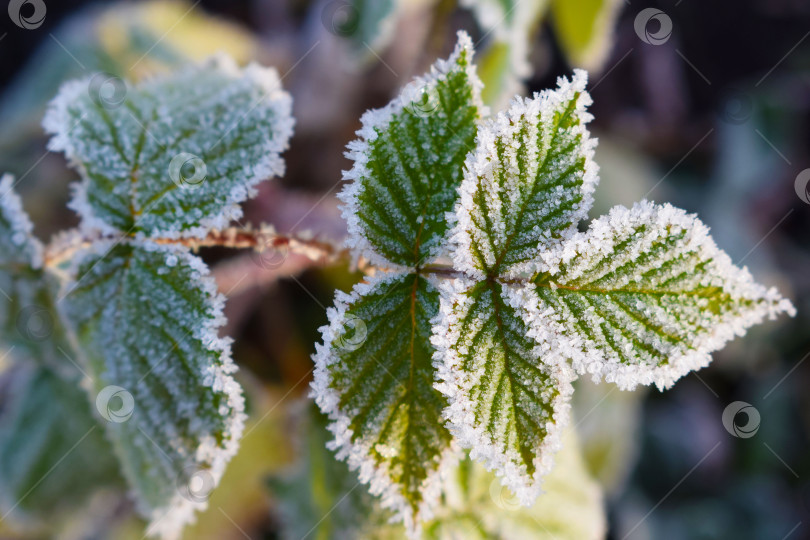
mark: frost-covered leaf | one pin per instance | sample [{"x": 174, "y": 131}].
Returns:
[
  {"x": 528, "y": 183},
  {"x": 584, "y": 30},
  {"x": 174, "y": 155},
  {"x": 53, "y": 453},
  {"x": 644, "y": 296},
  {"x": 408, "y": 163},
  {"x": 374, "y": 378},
  {"x": 146, "y": 319},
  {"x": 505, "y": 404},
  {"x": 29, "y": 322}
]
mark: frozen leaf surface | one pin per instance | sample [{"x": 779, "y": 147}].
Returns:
[
  {"x": 505, "y": 404},
  {"x": 374, "y": 378},
  {"x": 146, "y": 318},
  {"x": 54, "y": 454},
  {"x": 528, "y": 183},
  {"x": 644, "y": 296},
  {"x": 175, "y": 155},
  {"x": 408, "y": 163}
]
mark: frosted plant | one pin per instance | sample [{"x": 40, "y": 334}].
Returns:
[
  {"x": 163, "y": 164},
  {"x": 488, "y": 302}
]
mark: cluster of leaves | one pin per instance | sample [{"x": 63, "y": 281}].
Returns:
[
  {"x": 170, "y": 160},
  {"x": 414, "y": 366}
]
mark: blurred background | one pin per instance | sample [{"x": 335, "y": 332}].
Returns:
[{"x": 702, "y": 104}]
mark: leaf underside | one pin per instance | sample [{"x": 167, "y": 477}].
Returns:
[
  {"x": 146, "y": 318},
  {"x": 375, "y": 380},
  {"x": 173, "y": 155}
]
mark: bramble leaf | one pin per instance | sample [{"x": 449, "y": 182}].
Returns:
[
  {"x": 175, "y": 155},
  {"x": 408, "y": 164},
  {"x": 374, "y": 378},
  {"x": 146, "y": 319},
  {"x": 505, "y": 405},
  {"x": 528, "y": 183},
  {"x": 29, "y": 322},
  {"x": 644, "y": 296},
  {"x": 54, "y": 454}
]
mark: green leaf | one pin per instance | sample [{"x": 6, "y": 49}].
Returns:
[
  {"x": 374, "y": 378},
  {"x": 644, "y": 296},
  {"x": 506, "y": 404},
  {"x": 29, "y": 322},
  {"x": 584, "y": 30},
  {"x": 173, "y": 156},
  {"x": 528, "y": 183},
  {"x": 53, "y": 454},
  {"x": 146, "y": 319},
  {"x": 408, "y": 164}
]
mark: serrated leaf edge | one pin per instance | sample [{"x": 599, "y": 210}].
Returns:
[
  {"x": 584, "y": 354},
  {"x": 459, "y": 411},
  {"x": 480, "y": 160},
  {"x": 22, "y": 229},
  {"x": 168, "y": 522},
  {"x": 354, "y": 453},
  {"x": 378, "y": 119},
  {"x": 57, "y": 122}
]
